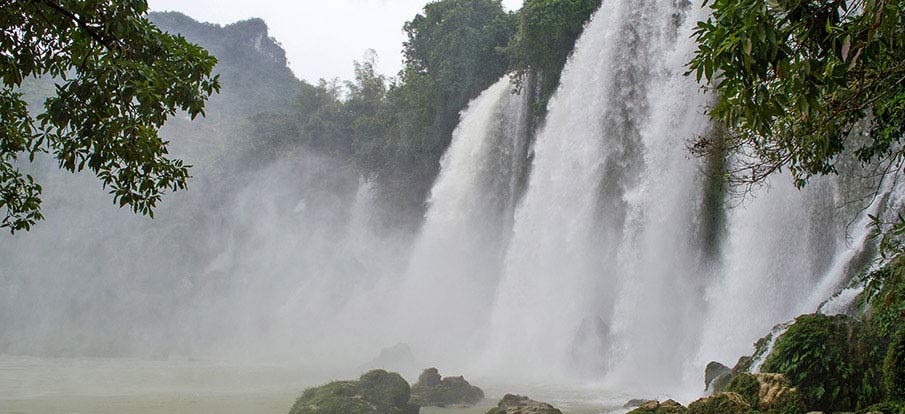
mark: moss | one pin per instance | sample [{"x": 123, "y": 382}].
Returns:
[
  {"x": 377, "y": 392},
  {"x": 832, "y": 360},
  {"x": 722, "y": 403},
  {"x": 894, "y": 369},
  {"x": 384, "y": 388},
  {"x": 747, "y": 386},
  {"x": 772, "y": 393}
]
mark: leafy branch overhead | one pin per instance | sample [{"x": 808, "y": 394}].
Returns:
[
  {"x": 798, "y": 78},
  {"x": 118, "y": 80}
]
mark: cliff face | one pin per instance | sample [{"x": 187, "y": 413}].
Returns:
[{"x": 252, "y": 65}]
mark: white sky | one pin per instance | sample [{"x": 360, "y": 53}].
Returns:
[{"x": 321, "y": 37}]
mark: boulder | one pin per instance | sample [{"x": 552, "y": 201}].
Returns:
[
  {"x": 713, "y": 371},
  {"x": 517, "y": 404},
  {"x": 377, "y": 392},
  {"x": 656, "y": 407},
  {"x": 722, "y": 403},
  {"x": 433, "y": 391}
]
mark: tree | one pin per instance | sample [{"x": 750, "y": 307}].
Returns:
[
  {"x": 546, "y": 36},
  {"x": 795, "y": 77},
  {"x": 798, "y": 83},
  {"x": 119, "y": 79},
  {"x": 453, "y": 52}
]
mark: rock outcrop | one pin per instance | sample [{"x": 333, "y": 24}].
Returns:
[
  {"x": 433, "y": 391},
  {"x": 377, "y": 392},
  {"x": 772, "y": 393},
  {"x": 517, "y": 404},
  {"x": 722, "y": 403},
  {"x": 716, "y": 376},
  {"x": 656, "y": 407}
]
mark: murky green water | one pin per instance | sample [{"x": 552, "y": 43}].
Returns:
[{"x": 126, "y": 386}]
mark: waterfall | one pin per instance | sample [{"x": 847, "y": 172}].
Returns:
[
  {"x": 603, "y": 259},
  {"x": 454, "y": 265},
  {"x": 617, "y": 270}
]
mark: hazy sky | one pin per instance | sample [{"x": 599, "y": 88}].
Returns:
[{"x": 321, "y": 37}]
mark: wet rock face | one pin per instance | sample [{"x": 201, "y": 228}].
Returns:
[
  {"x": 713, "y": 372},
  {"x": 432, "y": 390},
  {"x": 517, "y": 404},
  {"x": 377, "y": 392}
]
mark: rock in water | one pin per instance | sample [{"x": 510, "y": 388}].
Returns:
[
  {"x": 656, "y": 407},
  {"x": 377, "y": 392},
  {"x": 433, "y": 391},
  {"x": 517, "y": 404}
]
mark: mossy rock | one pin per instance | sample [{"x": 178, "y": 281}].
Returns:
[
  {"x": 517, "y": 404},
  {"x": 894, "y": 369},
  {"x": 377, "y": 392},
  {"x": 832, "y": 360},
  {"x": 772, "y": 393},
  {"x": 722, "y": 403},
  {"x": 433, "y": 391},
  {"x": 747, "y": 386},
  {"x": 656, "y": 407},
  {"x": 384, "y": 388}
]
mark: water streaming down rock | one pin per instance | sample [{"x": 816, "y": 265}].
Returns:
[
  {"x": 455, "y": 263},
  {"x": 605, "y": 234},
  {"x": 612, "y": 272}
]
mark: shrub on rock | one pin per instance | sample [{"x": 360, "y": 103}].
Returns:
[
  {"x": 832, "y": 360},
  {"x": 722, "y": 403},
  {"x": 377, "y": 392},
  {"x": 772, "y": 393}
]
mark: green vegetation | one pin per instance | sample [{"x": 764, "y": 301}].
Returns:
[
  {"x": 120, "y": 78},
  {"x": 834, "y": 361},
  {"x": 770, "y": 393},
  {"x": 747, "y": 386},
  {"x": 722, "y": 403},
  {"x": 377, "y": 392},
  {"x": 894, "y": 369},
  {"x": 546, "y": 36}
]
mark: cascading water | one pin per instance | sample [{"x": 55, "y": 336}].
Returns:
[
  {"x": 455, "y": 262},
  {"x": 615, "y": 270},
  {"x": 603, "y": 261}
]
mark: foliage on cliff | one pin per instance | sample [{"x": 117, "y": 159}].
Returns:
[{"x": 548, "y": 30}]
